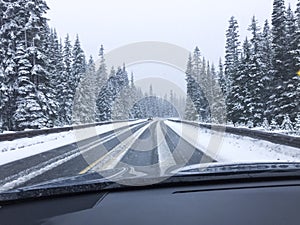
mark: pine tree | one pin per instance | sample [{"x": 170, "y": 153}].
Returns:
[
  {"x": 238, "y": 111},
  {"x": 29, "y": 113},
  {"x": 297, "y": 124},
  {"x": 61, "y": 81},
  {"x": 68, "y": 85},
  {"x": 196, "y": 64},
  {"x": 3, "y": 87},
  {"x": 297, "y": 56},
  {"x": 266, "y": 124},
  {"x": 289, "y": 103},
  {"x": 222, "y": 78},
  {"x": 218, "y": 107},
  {"x": 254, "y": 84},
  {"x": 9, "y": 34},
  {"x": 134, "y": 97},
  {"x": 190, "y": 111},
  {"x": 274, "y": 125},
  {"x": 296, "y": 38},
  {"x": 105, "y": 99},
  {"x": 78, "y": 63},
  {"x": 122, "y": 104},
  {"x": 287, "y": 124},
  {"x": 52, "y": 66},
  {"x": 279, "y": 45},
  {"x": 85, "y": 97},
  {"x": 199, "y": 86},
  {"x": 32, "y": 101},
  {"x": 231, "y": 66},
  {"x": 109, "y": 93},
  {"x": 266, "y": 68},
  {"x": 101, "y": 72}
]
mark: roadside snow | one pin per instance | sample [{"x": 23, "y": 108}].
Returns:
[
  {"x": 22, "y": 148},
  {"x": 233, "y": 148}
]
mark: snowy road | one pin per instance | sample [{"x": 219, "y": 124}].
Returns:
[{"x": 152, "y": 147}]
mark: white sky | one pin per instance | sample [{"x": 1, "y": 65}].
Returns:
[{"x": 188, "y": 23}]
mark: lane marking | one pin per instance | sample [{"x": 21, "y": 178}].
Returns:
[
  {"x": 165, "y": 156},
  {"x": 113, "y": 157},
  {"x": 122, "y": 145}
]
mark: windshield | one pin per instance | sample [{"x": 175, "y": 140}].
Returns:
[{"x": 126, "y": 89}]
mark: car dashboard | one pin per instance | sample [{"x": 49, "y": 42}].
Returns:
[{"x": 260, "y": 202}]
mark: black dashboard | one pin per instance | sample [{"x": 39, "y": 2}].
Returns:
[{"x": 247, "y": 203}]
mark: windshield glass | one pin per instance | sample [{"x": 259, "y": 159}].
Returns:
[{"x": 126, "y": 89}]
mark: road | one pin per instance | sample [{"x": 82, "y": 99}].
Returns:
[{"x": 151, "y": 147}]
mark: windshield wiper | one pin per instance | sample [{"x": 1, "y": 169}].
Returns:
[{"x": 237, "y": 168}]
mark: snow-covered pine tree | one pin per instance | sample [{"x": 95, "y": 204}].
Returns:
[
  {"x": 173, "y": 104},
  {"x": 3, "y": 87},
  {"x": 274, "y": 125},
  {"x": 9, "y": 34},
  {"x": 238, "y": 102},
  {"x": 101, "y": 74},
  {"x": 296, "y": 39},
  {"x": 105, "y": 99},
  {"x": 85, "y": 97},
  {"x": 280, "y": 50},
  {"x": 254, "y": 84},
  {"x": 297, "y": 56},
  {"x": 289, "y": 95},
  {"x": 232, "y": 51},
  {"x": 222, "y": 78},
  {"x": 196, "y": 63},
  {"x": 50, "y": 88},
  {"x": 266, "y": 67},
  {"x": 67, "y": 90},
  {"x": 33, "y": 102},
  {"x": 60, "y": 82},
  {"x": 78, "y": 62},
  {"x": 208, "y": 90},
  {"x": 287, "y": 125},
  {"x": 198, "y": 85},
  {"x": 134, "y": 96},
  {"x": 217, "y": 104},
  {"x": 109, "y": 93},
  {"x": 297, "y": 124},
  {"x": 78, "y": 69},
  {"x": 266, "y": 124},
  {"x": 29, "y": 113},
  {"x": 122, "y": 104},
  {"x": 190, "y": 109}
]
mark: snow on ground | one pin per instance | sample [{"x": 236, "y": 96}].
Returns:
[
  {"x": 233, "y": 148},
  {"x": 25, "y": 147}
]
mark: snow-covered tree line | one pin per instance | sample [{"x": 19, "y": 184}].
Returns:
[
  {"x": 120, "y": 99},
  {"x": 259, "y": 80},
  {"x": 151, "y": 105},
  {"x": 204, "y": 89},
  {"x": 38, "y": 73}
]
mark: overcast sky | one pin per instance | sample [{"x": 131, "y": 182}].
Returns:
[{"x": 187, "y": 23}]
